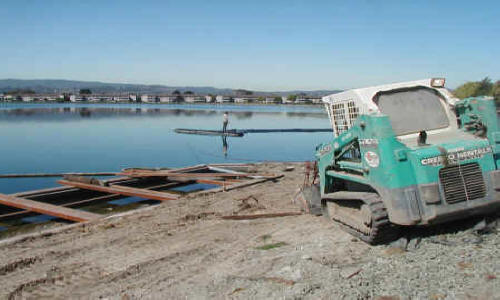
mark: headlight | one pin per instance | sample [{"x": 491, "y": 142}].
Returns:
[{"x": 437, "y": 82}]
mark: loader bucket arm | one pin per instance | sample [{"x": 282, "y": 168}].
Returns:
[{"x": 478, "y": 116}]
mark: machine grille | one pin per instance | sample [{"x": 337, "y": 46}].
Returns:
[{"x": 462, "y": 182}]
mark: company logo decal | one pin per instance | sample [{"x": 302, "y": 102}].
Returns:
[
  {"x": 368, "y": 143},
  {"x": 456, "y": 157},
  {"x": 372, "y": 159}
]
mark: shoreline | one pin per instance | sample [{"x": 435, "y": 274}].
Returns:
[{"x": 161, "y": 103}]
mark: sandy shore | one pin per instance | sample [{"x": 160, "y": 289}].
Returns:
[{"x": 184, "y": 250}]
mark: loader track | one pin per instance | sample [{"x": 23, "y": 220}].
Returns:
[{"x": 370, "y": 222}]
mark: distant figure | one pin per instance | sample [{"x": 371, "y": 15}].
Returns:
[{"x": 225, "y": 121}]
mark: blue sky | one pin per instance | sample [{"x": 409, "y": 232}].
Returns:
[{"x": 258, "y": 45}]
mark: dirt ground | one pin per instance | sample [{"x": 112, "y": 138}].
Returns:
[{"x": 184, "y": 250}]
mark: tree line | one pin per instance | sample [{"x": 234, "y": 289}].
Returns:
[{"x": 485, "y": 87}]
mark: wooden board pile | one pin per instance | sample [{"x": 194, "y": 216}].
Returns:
[{"x": 224, "y": 176}]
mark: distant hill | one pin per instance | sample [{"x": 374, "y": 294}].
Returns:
[{"x": 60, "y": 86}]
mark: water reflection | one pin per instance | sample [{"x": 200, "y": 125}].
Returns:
[
  {"x": 292, "y": 114},
  {"x": 224, "y": 145},
  {"x": 72, "y": 112},
  {"x": 86, "y": 112}
]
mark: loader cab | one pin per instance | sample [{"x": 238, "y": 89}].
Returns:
[{"x": 415, "y": 107}]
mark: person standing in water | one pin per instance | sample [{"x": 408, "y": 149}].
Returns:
[{"x": 225, "y": 121}]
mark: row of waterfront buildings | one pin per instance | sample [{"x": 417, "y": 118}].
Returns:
[{"x": 299, "y": 99}]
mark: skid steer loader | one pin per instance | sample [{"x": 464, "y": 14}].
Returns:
[{"x": 406, "y": 154}]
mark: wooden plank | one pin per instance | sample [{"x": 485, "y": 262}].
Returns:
[
  {"x": 241, "y": 184},
  {"x": 107, "y": 197},
  {"x": 233, "y": 180},
  {"x": 187, "y": 175},
  {"x": 260, "y": 216},
  {"x": 181, "y": 170},
  {"x": 234, "y": 167},
  {"x": 48, "y": 209},
  {"x": 251, "y": 182},
  {"x": 63, "y": 189},
  {"x": 231, "y": 165},
  {"x": 199, "y": 175},
  {"x": 122, "y": 190},
  {"x": 217, "y": 182},
  {"x": 48, "y": 191},
  {"x": 161, "y": 196},
  {"x": 29, "y": 175},
  {"x": 222, "y": 170},
  {"x": 190, "y": 169}
]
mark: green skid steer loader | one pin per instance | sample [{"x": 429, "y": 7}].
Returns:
[{"x": 406, "y": 154}]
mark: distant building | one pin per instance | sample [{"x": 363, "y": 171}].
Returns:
[
  {"x": 41, "y": 97},
  {"x": 317, "y": 100},
  {"x": 174, "y": 98},
  {"x": 245, "y": 99},
  {"x": 93, "y": 98},
  {"x": 132, "y": 97},
  {"x": 223, "y": 99},
  {"x": 239, "y": 97},
  {"x": 51, "y": 98},
  {"x": 54, "y": 97},
  {"x": 303, "y": 100},
  {"x": 194, "y": 99},
  {"x": 307, "y": 100},
  {"x": 150, "y": 99},
  {"x": 165, "y": 99},
  {"x": 121, "y": 98},
  {"x": 240, "y": 100},
  {"x": 106, "y": 98}
]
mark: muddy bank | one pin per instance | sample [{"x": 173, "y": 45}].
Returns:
[{"x": 184, "y": 249}]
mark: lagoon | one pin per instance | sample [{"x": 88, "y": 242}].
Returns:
[{"x": 67, "y": 137}]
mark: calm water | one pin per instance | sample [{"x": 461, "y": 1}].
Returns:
[{"x": 109, "y": 137}]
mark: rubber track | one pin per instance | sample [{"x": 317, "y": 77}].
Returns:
[{"x": 382, "y": 230}]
